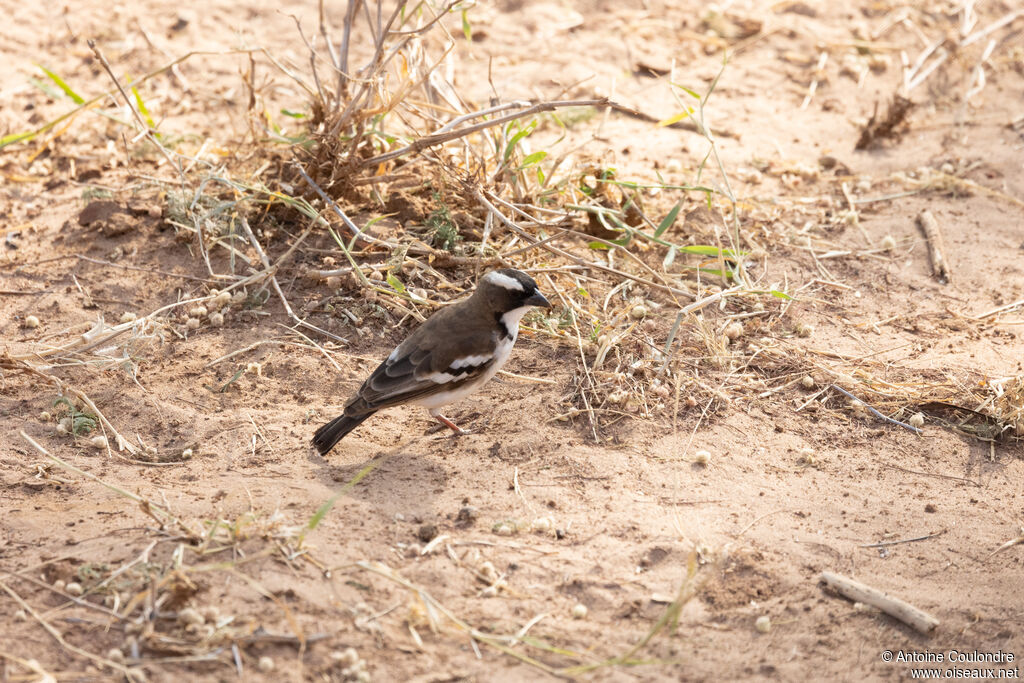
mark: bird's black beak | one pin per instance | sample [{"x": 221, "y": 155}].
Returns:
[{"x": 537, "y": 299}]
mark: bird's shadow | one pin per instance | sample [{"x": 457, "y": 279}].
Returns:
[{"x": 404, "y": 479}]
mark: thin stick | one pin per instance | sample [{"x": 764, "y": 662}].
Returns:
[
  {"x": 875, "y": 412},
  {"x": 511, "y": 225},
  {"x": 438, "y": 137},
  {"x": 883, "y": 544},
  {"x": 148, "y": 506},
  {"x": 125, "y": 671},
  {"x": 138, "y": 117},
  {"x": 894, "y": 607},
  {"x": 277, "y": 287}
]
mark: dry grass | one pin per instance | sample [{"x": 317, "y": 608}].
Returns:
[{"x": 397, "y": 128}]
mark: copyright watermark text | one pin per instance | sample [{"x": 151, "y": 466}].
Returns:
[{"x": 956, "y": 664}]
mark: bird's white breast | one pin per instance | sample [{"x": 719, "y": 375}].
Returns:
[{"x": 501, "y": 354}]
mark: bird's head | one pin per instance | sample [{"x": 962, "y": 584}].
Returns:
[{"x": 508, "y": 289}]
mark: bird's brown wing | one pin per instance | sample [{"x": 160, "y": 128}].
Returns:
[{"x": 442, "y": 355}]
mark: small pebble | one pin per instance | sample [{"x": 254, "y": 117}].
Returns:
[
  {"x": 803, "y": 329},
  {"x": 543, "y": 524},
  {"x": 98, "y": 441},
  {"x": 579, "y": 611},
  {"x": 115, "y": 655},
  {"x": 74, "y": 588},
  {"x": 45, "y": 416},
  {"x": 190, "y": 615},
  {"x": 31, "y": 322},
  {"x": 187, "y": 454},
  {"x": 888, "y": 243},
  {"x": 638, "y": 312},
  {"x": 128, "y": 317},
  {"x": 504, "y": 530},
  {"x": 265, "y": 664},
  {"x": 916, "y": 420},
  {"x": 734, "y": 330},
  {"x": 20, "y": 615},
  {"x": 702, "y": 458},
  {"x": 763, "y": 624},
  {"x": 807, "y": 382},
  {"x": 348, "y": 657},
  {"x": 467, "y": 515},
  {"x": 488, "y": 572}
]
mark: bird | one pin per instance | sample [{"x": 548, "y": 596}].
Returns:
[{"x": 452, "y": 354}]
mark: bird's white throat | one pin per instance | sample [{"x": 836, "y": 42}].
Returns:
[{"x": 510, "y": 320}]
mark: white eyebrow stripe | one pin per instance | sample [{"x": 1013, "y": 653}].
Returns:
[
  {"x": 470, "y": 361},
  {"x": 505, "y": 281}
]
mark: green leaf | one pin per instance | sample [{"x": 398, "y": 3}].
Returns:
[
  {"x": 669, "y": 219},
  {"x": 781, "y": 295},
  {"x": 62, "y": 85},
  {"x": 534, "y": 158},
  {"x": 293, "y": 114},
  {"x": 511, "y": 146},
  {"x": 466, "y": 30},
  {"x": 598, "y": 245},
  {"x": 396, "y": 284}
]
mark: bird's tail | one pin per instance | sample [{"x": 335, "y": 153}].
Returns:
[{"x": 335, "y": 430}]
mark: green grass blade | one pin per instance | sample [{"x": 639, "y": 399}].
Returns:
[
  {"x": 669, "y": 219},
  {"x": 534, "y": 158},
  {"x": 511, "y": 146},
  {"x": 142, "y": 108},
  {"x": 396, "y": 284},
  {"x": 78, "y": 99},
  {"x": 322, "y": 511},
  {"x": 707, "y": 250}
]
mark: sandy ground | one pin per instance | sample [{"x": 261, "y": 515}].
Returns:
[{"x": 611, "y": 524}]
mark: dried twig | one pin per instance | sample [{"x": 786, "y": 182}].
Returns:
[
  {"x": 936, "y": 247},
  {"x": 49, "y": 628},
  {"x": 894, "y": 607},
  {"x": 883, "y": 544},
  {"x": 875, "y": 412}
]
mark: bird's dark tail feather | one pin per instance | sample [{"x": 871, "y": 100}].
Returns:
[{"x": 335, "y": 430}]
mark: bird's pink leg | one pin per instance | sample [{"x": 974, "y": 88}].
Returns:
[{"x": 448, "y": 423}]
